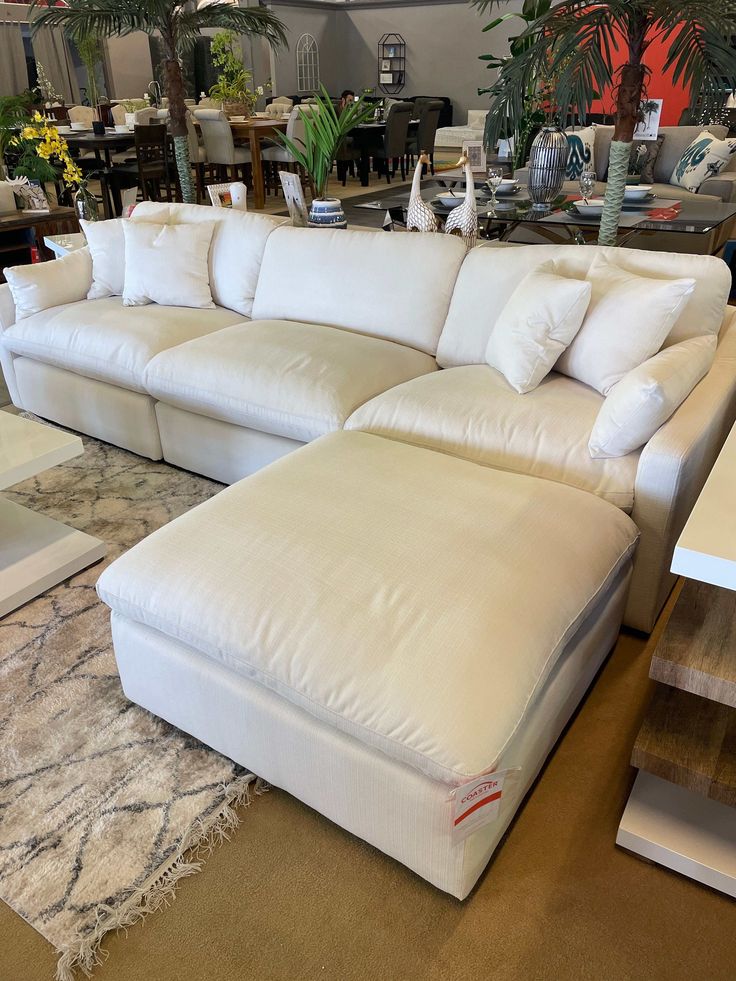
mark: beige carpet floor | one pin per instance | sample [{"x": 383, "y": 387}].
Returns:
[{"x": 294, "y": 897}]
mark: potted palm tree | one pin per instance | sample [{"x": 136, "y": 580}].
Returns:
[
  {"x": 574, "y": 42},
  {"x": 324, "y": 131},
  {"x": 89, "y": 47},
  {"x": 177, "y": 24}
]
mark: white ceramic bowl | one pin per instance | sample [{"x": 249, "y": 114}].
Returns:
[
  {"x": 507, "y": 186},
  {"x": 237, "y": 119},
  {"x": 637, "y": 192},
  {"x": 63, "y": 129},
  {"x": 451, "y": 200},
  {"x": 121, "y": 128},
  {"x": 79, "y": 126},
  {"x": 593, "y": 208}
]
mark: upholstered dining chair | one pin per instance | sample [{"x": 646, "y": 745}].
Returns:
[
  {"x": 82, "y": 114},
  {"x": 220, "y": 146},
  {"x": 118, "y": 114},
  {"x": 272, "y": 156},
  {"x": 427, "y": 111},
  {"x": 393, "y": 146},
  {"x": 197, "y": 152}
]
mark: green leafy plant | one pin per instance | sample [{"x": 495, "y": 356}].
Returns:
[
  {"x": 134, "y": 105},
  {"x": 14, "y": 112},
  {"x": 534, "y": 112},
  {"x": 177, "y": 25},
  {"x": 574, "y": 41},
  {"x": 233, "y": 80},
  {"x": 89, "y": 47},
  {"x": 324, "y": 131}
]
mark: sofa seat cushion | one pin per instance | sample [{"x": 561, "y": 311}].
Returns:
[
  {"x": 282, "y": 377},
  {"x": 102, "y": 339},
  {"x": 384, "y": 589},
  {"x": 472, "y": 412}
]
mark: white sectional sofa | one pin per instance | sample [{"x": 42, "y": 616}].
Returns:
[{"x": 352, "y": 621}]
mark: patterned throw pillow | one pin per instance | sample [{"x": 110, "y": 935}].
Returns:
[
  {"x": 644, "y": 164},
  {"x": 582, "y": 152},
  {"x": 706, "y": 157}
]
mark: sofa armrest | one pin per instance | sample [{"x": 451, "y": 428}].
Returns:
[
  {"x": 672, "y": 469},
  {"x": 7, "y": 308},
  {"x": 723, "y": 186}
]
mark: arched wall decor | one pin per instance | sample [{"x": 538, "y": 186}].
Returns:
[{"x": 307, "y": 64}]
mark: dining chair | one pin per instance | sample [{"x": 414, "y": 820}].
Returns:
[
  {"x": 392, "y": 148},
  {"x": 82, "y": 114},
  {"x": 219, "y": 145},
  {"x": 278, "y": 154},
  {"x": 152, "y": 170},
  {"x": 197, "y": 152},
  {"x": 144, "y": 116},
  {"x": 118, "y": 114},
  {"x": 427, "y": 111}
]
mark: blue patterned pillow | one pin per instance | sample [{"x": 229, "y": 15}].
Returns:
[
  {"x": 582, "y": 152},
  {"x": 706, "y": 157}
]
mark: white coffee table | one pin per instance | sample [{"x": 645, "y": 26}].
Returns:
[{"x": 36, "y": 552}]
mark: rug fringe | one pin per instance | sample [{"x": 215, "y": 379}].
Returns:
[{"x": 159, "y": 890}]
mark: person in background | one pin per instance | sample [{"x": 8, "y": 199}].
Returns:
[{"x": 347, "y": 96}]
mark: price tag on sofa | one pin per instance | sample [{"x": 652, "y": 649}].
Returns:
[{"x": 478, "y": 802}]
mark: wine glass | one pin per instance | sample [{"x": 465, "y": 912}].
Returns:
[
  {"x": 495, "y": 178},
  {"x": 587, "y": 182}
]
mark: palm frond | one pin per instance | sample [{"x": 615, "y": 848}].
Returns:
[
  {"x": 260, "y": 21},
  {"x": 105, "y": 18}
]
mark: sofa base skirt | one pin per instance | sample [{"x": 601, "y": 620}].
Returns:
[
  {"x": 220, "y": 450},
  {"x": 96, "y": 408},
  {"x": 387, "y": 803}
]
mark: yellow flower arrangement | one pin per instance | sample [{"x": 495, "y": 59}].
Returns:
[{"x": 42, "y": 138}]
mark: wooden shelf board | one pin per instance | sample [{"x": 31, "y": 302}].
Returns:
[
  {"x": 697, "y": 651},
  {"x": 690, "y": 741}
]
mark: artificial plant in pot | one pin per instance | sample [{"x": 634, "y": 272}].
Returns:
[
  {"x": 575, "y": 41},
  {"x": 324, "y": 131},
  {"x": 177, "y": 24},
  {"x": 232, "y": 88}
]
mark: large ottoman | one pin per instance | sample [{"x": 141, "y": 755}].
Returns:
[{"x": 371, "y": 625}]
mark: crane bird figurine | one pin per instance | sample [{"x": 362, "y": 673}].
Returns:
[
  {"x": 419, "y": 216},
  {"x": 463, "y": 220}
]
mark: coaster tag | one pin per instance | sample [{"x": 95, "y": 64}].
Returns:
[{"x": 477, "y": 803}]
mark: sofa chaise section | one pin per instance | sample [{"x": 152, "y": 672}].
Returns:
[
  {"x": 469, "y": 410},
  {"x": 362, "y": 640}
]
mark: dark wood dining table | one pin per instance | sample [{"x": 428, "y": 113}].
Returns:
[
  {"x": 106, "y": 145},
  {"x": 255, "y": 130}
]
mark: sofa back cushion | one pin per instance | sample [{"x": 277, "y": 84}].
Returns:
[
  {"x": 489, "y": 276},
  {"x": 676, "y": 140},
  {"x": 236, "y": 251},
  {"x": 397, "y": 287}
]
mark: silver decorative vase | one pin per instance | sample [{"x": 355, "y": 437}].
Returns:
[{"x": 547, "y": 166}]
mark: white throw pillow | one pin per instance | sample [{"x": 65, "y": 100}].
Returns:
[
  {"x": 628, "y": 319},
  {"x": 706, "y": 157},
  {"x": 49, "y": 284},
  {"x": 644, "y": 399},
  {"x": 542, "y": 316},
  {"x": 106, "y": 243},
  {"x": 167, "y": 264},
  {"x": 582, "y": 152}
]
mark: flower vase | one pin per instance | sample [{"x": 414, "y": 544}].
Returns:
[
  {"x": 547, "y": 166},
  {"x": 327, "y": 213},
  {"x": 85, "y": 204}
]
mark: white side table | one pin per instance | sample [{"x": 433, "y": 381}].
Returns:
[
  {"x": 36, "y": 552},
  {"x": 64, "y": 244},
  {"x": 682, "y": 809}
]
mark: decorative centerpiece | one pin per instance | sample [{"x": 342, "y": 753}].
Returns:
[
  {"x": 324, "y": 131},
  {"x": 232, "y": 88},
  {"x": 547, "y": 165}
]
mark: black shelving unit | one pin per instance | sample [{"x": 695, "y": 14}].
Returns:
[{"x": 392, "y": 52}]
